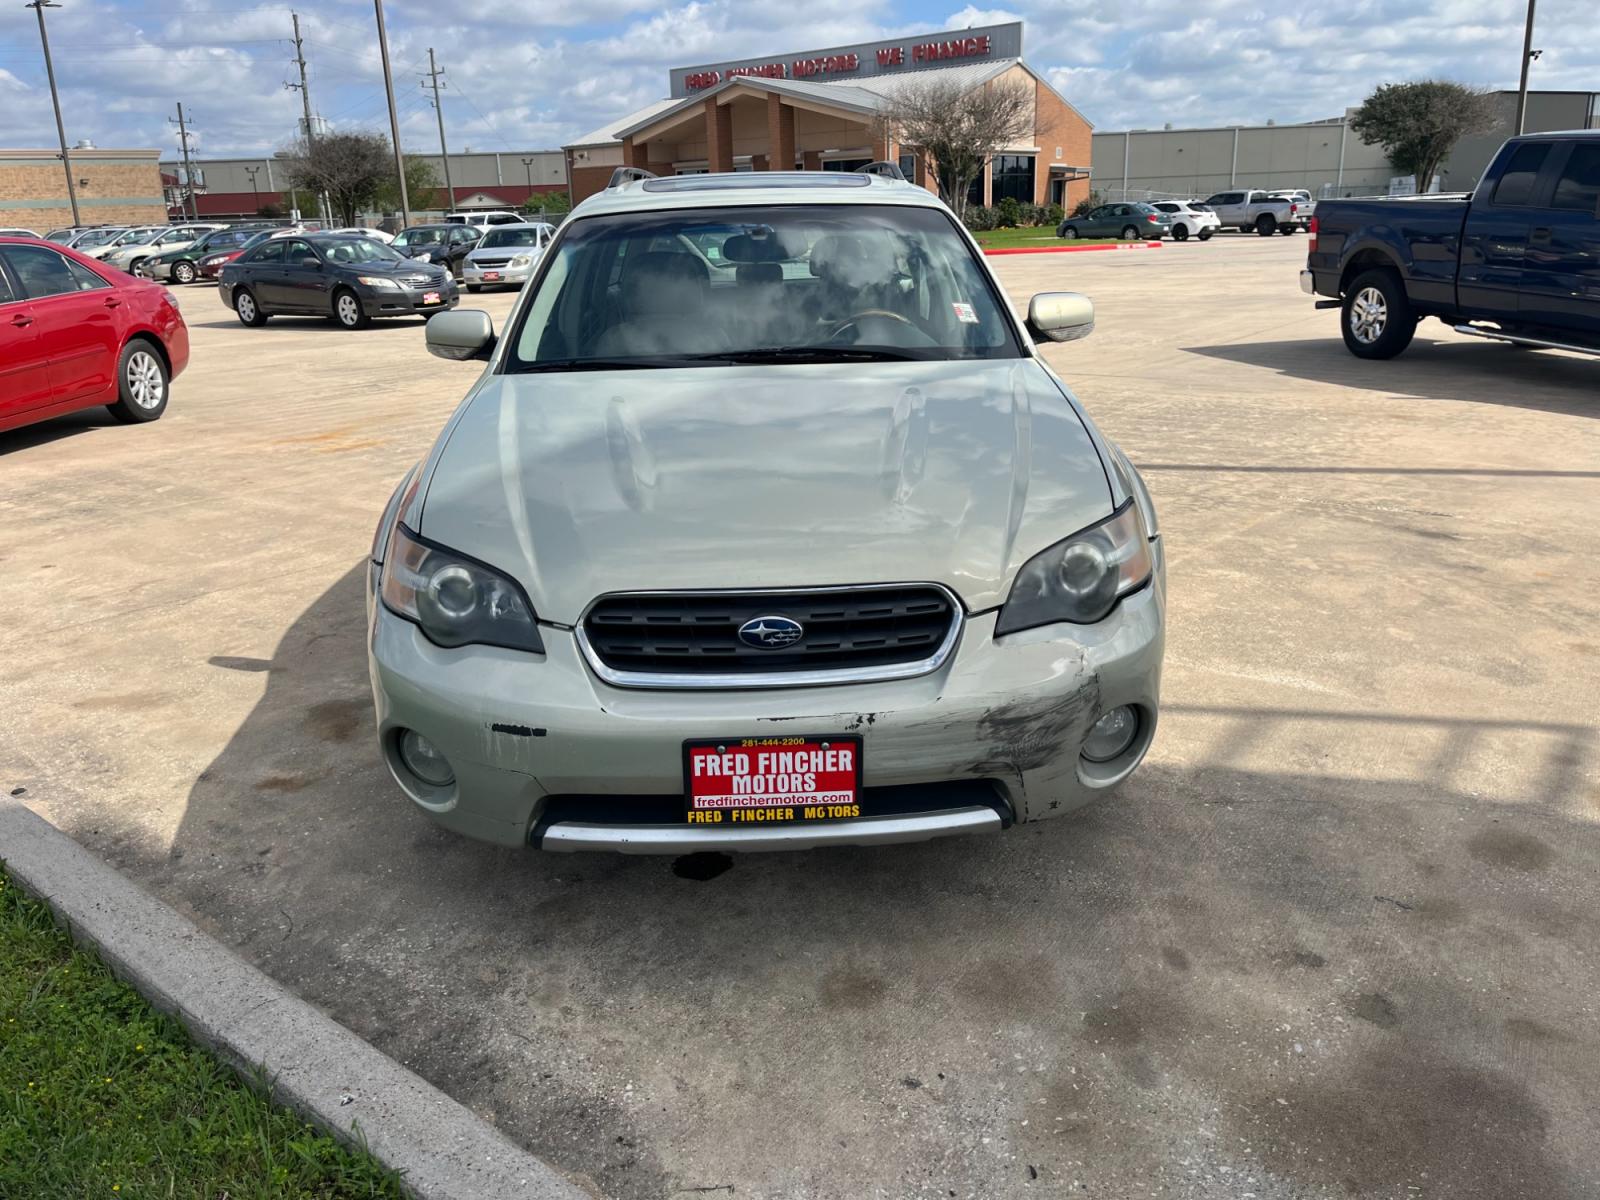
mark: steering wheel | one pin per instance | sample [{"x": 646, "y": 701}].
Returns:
[{"x": 856, "y": 318}]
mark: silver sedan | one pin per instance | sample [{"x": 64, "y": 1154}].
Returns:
[{"x": 506, "y": 257}]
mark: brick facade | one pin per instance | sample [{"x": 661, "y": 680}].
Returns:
[
  {"x": 1058, "y": 125},
  {"x": 114, "y": 187}
]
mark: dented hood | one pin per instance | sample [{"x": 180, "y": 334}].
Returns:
[{"x": 579, "y": 484}]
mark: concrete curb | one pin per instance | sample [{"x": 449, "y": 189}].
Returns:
[
  {"x": 316, "y": 1066},
  {"x": 1073, "y": 249}
]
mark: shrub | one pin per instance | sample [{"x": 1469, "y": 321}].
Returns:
[
  {"x": 1008, "y": 212},
  {"x": 1054, "y": 215},
  {"x": 1092, "y": 200},
  {"x": 979, "y": 218}
]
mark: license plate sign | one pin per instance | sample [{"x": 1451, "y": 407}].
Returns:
[
  {"x": 430, "y": 297},
  {"x": 761, "y": 781},
  {"x": 491, "y": 274}
]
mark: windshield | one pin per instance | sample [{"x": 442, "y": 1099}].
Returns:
[
  {"x": 800, "y": 284},
  {"x": 359, "y": 250},
  {"x": 136, "y": 235},
  {"x": 509, "y": 237},
  {"x": 98, "y": 237},
  {"x": 422, "y": 237}
]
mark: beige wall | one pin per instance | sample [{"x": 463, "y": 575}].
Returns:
[{"x": 114, "y": 187}]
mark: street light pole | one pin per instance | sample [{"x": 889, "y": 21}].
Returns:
[
  {"x": 38, "y": 7},
  {"x": 528, "y": 162},
  {"x": 394, "y": 117},
  {"x": 1527, "y": 59},
  {"x": 255, "y": 192}
]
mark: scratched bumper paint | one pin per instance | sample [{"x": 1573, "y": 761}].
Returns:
[{"x": 519, "y": 727}]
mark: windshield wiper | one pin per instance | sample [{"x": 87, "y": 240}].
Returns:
[
  {"x": 807, "y": 354},
  {"x": 596, "y": 364}
]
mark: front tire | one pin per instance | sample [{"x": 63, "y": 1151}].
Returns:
[
  {"x": 183, "y": 272},
  {"x": 1377, "y": 319},
  {"x": 249, "y": 312},
  {"x": 1180, "y": 233},
  {"x": 1266, "y": 225},
  {"x": 1205, "y": 234},
  {"x": 1070, "y": 232},
  {"x": 142, "y": 384},
  {"x": 347, "y": 310}
]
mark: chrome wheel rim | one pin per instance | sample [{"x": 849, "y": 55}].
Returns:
[
  {"x": 145, "y": 386},
  {"x": 183, "y": 273},
  {"x": 247, "y": 308},
  {"x": 349, "y": 310},
  {"x": 1369, "y": 315}
]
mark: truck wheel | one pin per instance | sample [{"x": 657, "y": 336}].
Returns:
[
  {"x": 1377, "y": 319},
  {"x": 1286, "y": 230},
  {"x": 1266, "y": 225}
]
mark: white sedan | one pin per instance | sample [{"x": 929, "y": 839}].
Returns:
[{"x": 1189, "y": 219}]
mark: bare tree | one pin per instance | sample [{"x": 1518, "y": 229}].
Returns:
[
  {"x": 350, "y": 168},
  {"x": 1418, "y": 124},
  {"x": 958, "y": 129}
]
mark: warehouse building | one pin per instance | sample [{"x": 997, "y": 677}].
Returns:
[
  {"x": 242, "y": 187},
  {"x": 113, "y": 186},
  {"x": 825, "y": 109},
  {"x": 1326, "y": 158}
]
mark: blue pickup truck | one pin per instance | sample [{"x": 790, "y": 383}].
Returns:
[{"x": 1516, "y": 261}]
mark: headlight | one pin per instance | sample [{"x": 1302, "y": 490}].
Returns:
[
  {"x": 378, "y": 281},
  {"x": 456, "y": 601},
  {"x": 522, "y": 260},
  {"x": 423, "y": 255},
  {"x": 1081, "y": 579}
]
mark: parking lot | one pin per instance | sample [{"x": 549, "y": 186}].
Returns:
[{"x": 1337, "y": 937}]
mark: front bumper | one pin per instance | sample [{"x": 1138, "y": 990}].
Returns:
[
  {"x": 407, "y": 300},
  {"x": 537, "y": 742},
  {"x": 506, "y": 276},
  {"x": 154, "y": 270}
]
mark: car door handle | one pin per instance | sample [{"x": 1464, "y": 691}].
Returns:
[
  {"x": 1541, "y": 234},
  {"x": 22, "y": 320},
  {"x": 112, "y": 302}
]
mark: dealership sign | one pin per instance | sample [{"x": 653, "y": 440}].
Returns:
[{"x": 854, "y": 62}]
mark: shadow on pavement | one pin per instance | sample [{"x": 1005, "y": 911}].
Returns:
[
  {"x": 1321, "y": 984},
  {"x": 55, "y": 428},
  {"x": 1474, "y": 372}
]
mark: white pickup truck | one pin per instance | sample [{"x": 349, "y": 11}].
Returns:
[
  {"x": 1248, "y": 210},
  {"x": 1307, "y": 205}
]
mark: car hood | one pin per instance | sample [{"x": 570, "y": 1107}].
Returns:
[
  {"x": 584, "y": 483},
  {"x": 501, "y": 252}
]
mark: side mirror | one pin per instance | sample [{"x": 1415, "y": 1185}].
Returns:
[
  {"x": 460, "y": 336},
  {"x": 311, "y": 261},
  {"x": 1060, "y": 316}
]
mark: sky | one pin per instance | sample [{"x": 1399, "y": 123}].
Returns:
[{"x": 531, "y": 74}]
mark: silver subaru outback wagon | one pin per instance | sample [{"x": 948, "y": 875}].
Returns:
[{"x": 765, "y": 527}]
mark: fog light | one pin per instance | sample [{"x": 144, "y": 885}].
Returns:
[
  {"x": 1112, "y": 735},
  {"x": 422, "y": 759}
]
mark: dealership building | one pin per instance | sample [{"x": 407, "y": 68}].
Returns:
[{"x": 824, "y": 110}]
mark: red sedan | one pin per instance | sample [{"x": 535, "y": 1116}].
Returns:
[{"x": 75, "y": 333}]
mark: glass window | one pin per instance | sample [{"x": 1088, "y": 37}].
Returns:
[
  {"x": 270, "y": 251},
  {"x": 467, "y": 233},
  {"x": 975, "y": 189},
  {"x": 799, "y": 284},
  {"x": 510, "y": 237},
  {"x": 1579, "y": 185},
  {"x": 908, "y": 166},
  {"x": 44, "y": 273},
  {"x": 1013, "y": 176},
  {"x": 7, "y": 296},
  {"x": 294, "y": 250},
  {"x": 359, "y": 250},
  {"x": 1521, "y": 174}
]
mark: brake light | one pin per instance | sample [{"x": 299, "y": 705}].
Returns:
[
  {"x": 1293, "y": 208},
  {"x": 1312, "y": 230},
  {"x": 1151, "y": 217}
]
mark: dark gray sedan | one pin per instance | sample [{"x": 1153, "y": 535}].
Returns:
[
  {"x": 347, "y": 278},
  {"x": 1130, "y": 221}
]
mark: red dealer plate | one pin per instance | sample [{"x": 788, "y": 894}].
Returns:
[
  {"x": 430, "y": 297},
  {"x": 759, "y": 781},
  {"x": 491, "y": 274}
]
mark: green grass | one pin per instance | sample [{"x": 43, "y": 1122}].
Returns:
[
  {"x": 1029, "y": 237},
  {"x": 102, "y": 1096}
]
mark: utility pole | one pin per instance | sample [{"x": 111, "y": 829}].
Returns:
[
  {"x": 1528, "y": 55},
  {"x": 394, "y": 117},
  {"x": 38, "y": 7},
  {"x": 193, "y": 205},
  {"x": 444, "y": 151},
  {"x": 305, "y": 102}
]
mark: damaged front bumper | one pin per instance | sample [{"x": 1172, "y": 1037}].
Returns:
[{"x": 545, "y": 753}]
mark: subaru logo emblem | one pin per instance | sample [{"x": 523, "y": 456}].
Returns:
[{"x": 770, "y": 632}]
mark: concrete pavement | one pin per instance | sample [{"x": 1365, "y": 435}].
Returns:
[{"x": 1337, "y": 938}]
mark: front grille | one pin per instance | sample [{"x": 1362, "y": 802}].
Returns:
[
  {"x": 871, "y": 632},
  {"x": 490, "y": 263}
]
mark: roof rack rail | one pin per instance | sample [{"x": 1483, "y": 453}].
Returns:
[
  {"x": 624, "y": 175},
  {"x": 885, "y": 168}
]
